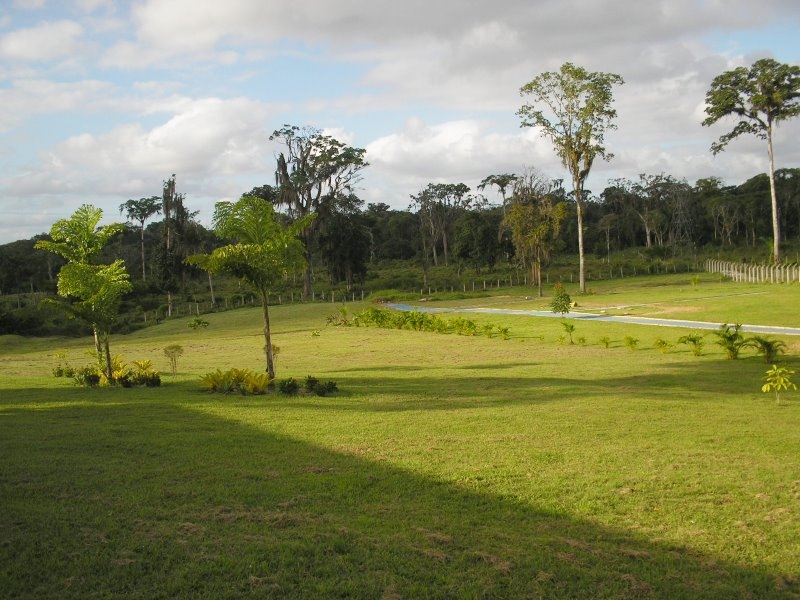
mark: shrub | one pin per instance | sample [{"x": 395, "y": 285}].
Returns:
[
  {"x": 197, "y": 323},
  {"x": 256, "y": 383},
  {"x": 605, "y": 341},
  {"x": 561, "y": 302},
  {"x": 694, "y": 341},
  {"x": 173, "y": 352},
  {"x": 289, "y": 386},
  {"x": 769, "y": 348},
  {"x": 631, "y": 342},
  {"x": 87, "y": 376},
  {"x": 569, "y": 328},
  {"x": 730, "y": 340},
  {"x": 323, "y": 389},
  {"x": 778, "y": 379},
  {"x": 662, "y": 345},
  {"x": 315, "y": 386}
]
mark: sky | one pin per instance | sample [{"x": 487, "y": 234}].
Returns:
[{"x": 101, "y": 101}]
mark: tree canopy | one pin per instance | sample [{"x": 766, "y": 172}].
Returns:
[
  {"x": 758, "y": 98},
  {"x": 573, "y": 109},
  {"x": 262, "y": 251}
]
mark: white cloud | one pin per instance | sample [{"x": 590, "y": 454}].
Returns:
[
  {"x": 46, "y": 41},
  {"x": 430, "y": 89}
]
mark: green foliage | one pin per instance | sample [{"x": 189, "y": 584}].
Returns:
[
  {"x": 289, "y": 386},
  {"x": 62, "y": 369},
  {"x": 315, "y": 386},
  {"x": 173, "y": 352},
  {"x": 605, "y": 341},
  {"x": 569, "y": 329},
  {"x": 264, "y": 253},
  {"x": 778, "y": 379},
  {"x": 758, "y": 98},
  {"x": 662, "y": 345},
  {"x": 88, "y": 291},
  {"x": 767, "y": 347},
  {"x": 87, "y": 376},
  {"x": 694, "y": 341},
  {"x": 573, "y": 108},
  {"x": 631, "y": 343},
  {"x": 420, "y": 321},
  {"x": 198, "y": 323},
  {"x": 731, "y": 340},
  {"x": 243, "y": 381},
  {"x": 561, "y": 302}
]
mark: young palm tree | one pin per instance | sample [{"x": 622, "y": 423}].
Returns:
[{"x": 262, "y": 252}]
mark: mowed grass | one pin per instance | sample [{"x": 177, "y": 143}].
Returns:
[{"x": 446, "y": 467}]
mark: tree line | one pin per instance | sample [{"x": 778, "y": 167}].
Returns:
[{"x": 449, "y": 224}]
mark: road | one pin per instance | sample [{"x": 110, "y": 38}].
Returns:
[{"x": 764, "y": 329}]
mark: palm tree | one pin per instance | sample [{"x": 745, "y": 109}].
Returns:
[{"x": 262, "y": 254}]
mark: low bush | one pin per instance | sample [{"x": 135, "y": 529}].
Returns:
[
  {"x": 417, "y": 321},
  {"x": 289, "y": 386}
]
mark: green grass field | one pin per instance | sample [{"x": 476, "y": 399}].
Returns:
[{"x": 446, "y": 467}]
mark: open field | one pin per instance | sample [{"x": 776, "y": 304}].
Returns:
[{"x": 446, "y": 466}]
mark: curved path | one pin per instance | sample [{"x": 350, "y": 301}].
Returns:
[{"x": 767, "y": 329}]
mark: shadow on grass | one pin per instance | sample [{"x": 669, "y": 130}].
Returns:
[{"x": 151, "y": 500}]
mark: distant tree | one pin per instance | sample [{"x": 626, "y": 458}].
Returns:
[
  {"x": 502, "y": 182},
  {"x": 476, "y": 237},
  {"x": 262, "y": 254},
  {"x": 89, "y": 291},
  {"x": 344, "y": 240},
  {"x": 439, "y": 204},
  {"x": 314, "y": 169},
  {"x": 572, "y": 107},
  {"x": 759, "y": 98},
  {"x": 534, "y": 220},
  {"x": 140, "y": 210},
  {"x": 178, "y": 229}
]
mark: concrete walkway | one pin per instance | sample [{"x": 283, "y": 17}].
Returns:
[{"x": 765, "y": 329}]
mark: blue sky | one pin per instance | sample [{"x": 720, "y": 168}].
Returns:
[{"x": 104, "y": 100}]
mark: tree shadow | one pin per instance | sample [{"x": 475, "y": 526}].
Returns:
[{"x": 126, "y": 500}]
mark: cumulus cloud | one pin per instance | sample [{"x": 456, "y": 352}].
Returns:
[
  {"x": 430, "y": 89},
  {"x": 46, "y": 41}
]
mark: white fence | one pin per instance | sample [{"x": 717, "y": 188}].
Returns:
[{"x": 788, "y": 273}]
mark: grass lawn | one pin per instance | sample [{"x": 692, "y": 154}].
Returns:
[{"x": 446, "y": 467}]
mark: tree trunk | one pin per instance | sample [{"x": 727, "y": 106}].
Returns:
[
  {"x": 211, "y": 288},
  {"x": 267, "y": 336},
  {"x": 143, "y": 271},
  {"x": 776, "y": 228},
  {"x": 581, "y": 265},
  {"x": 98, "y": 349},
  {"x": 109, "y": 369}
]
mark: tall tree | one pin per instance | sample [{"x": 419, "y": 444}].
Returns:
[
  {"x": 439, "y": 204},
  {"x": 140, "y": 210},
  {"x": 572, "y": 107},
  {"x": 178, "y": 226},
  {"x": 314, "y": 168},
  {"x": 758, "y": 98},
  {"x": 534, "y": 220},
  {"x": 90, "y": 291},
  {"x": 502, "y": 182},
  {"x": 263, "y": 252}
]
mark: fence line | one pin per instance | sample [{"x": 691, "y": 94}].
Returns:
[{"x": 750, "y": 273}]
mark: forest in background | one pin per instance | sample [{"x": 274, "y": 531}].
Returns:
[{"x": 448, "y": 238}]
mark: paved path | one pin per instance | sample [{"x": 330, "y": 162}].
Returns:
[{"x": 767, "y": 329}]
